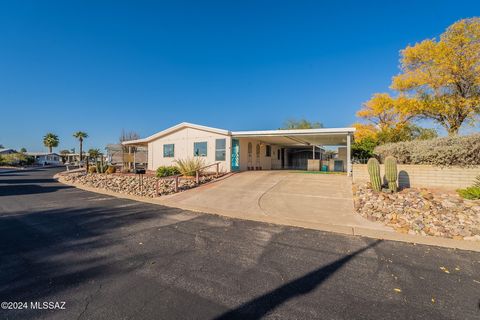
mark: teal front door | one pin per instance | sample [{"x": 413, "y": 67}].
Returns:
[{"x": 235, "y": 155}]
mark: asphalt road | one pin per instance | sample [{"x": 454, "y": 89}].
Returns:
[{"x": 110, "y": 258}]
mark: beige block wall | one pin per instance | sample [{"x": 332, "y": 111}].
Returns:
[
  {"x": 183, "y": 140},
  {"x": 425, "y": 175},
  {"x": 267, "y": 163}
]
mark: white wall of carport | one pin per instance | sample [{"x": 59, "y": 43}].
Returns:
[
  {"x": 183, "y": 140},
  {"x": 267, "y": 163}
]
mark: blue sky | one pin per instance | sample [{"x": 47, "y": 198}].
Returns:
[{"x": 100, "y": 66}]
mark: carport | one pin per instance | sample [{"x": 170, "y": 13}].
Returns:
[{"x": 246, "y": 146}]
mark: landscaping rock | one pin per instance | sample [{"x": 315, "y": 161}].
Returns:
[
  {"x": 421, "y": 211},
  {"x": 145, "y": 186}
]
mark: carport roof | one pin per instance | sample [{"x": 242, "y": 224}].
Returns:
[{"x": 300, "y": 137}]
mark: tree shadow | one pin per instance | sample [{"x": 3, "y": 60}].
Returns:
[
  {"x": 260, "y": 306},
  {"x": 25, "y": 189},
  {"x": 43, "y": 253},
  {"x": 27, "y": 181}
]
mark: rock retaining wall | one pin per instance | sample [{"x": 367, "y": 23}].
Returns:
[{"x": 131, "y": 184}]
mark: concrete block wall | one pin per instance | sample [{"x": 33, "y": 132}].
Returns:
[{"x": 425, "y": 175}]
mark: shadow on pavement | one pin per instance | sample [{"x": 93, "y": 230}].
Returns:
[
  {"x": 25, "y": 189},
  {"x": 46, "y": 252},
  {"x": 260, "y": 306}
]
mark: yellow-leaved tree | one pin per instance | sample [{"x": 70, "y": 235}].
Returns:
[
  {"x": 440, "y": 79},
  {"x": 385, "y": 112}
]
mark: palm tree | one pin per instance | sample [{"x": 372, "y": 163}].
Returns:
[
  {"x": 80, "y": 135},
  {"x": 94, "y": 153},
  {"x": 50, "y": 141}
]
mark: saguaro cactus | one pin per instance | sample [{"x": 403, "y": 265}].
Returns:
[
  {"x": 374, "y": 171},
  {"x": 391, "y": 173}
]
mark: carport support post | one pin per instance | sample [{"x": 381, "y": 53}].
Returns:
[{"x": 349, "y": 155}]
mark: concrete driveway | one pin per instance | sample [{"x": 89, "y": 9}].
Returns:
[{"x": 285, "y": 197}]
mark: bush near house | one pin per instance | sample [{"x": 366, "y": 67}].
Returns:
[
  {"x": 447, "y": 151},
  {"x": 188, "y": 166},
  {"x": 166, "y": 171}
]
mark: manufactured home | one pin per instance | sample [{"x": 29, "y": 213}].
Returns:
[
  {"x": 249, "y": 150},
  {"x": 45, "y": 158}
]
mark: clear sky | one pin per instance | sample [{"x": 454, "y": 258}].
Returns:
[{"x": 100, "y": 66}]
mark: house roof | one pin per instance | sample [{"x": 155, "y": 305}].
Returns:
[
  {"x": 7, "y": 150},
  {"x": 41, "y": 153},
  {"x": 320, "y": 136},
  {"x": 175, "y": 128}
]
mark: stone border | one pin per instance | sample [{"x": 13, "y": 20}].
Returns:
[{"x": 347, "y": 230}]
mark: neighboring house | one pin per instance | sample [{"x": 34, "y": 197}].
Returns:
[
  {"x": 245, "y": 150},
  {"x": 117, "y": 155},
  {"x": 7, "y": 151},
  {"x": 45, "y": 158}
]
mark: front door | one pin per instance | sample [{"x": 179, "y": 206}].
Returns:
[{"x": 235, "y": 155}]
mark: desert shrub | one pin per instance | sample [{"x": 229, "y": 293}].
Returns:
[
  {"x": 16, "y": 159},
  {"x": 447, "y": 151},
  {"x": 111, "y": 169},
  {"x": 166, "y": 171},
  {"x": 101, "y": 167},
  {"x": 92, "y": 169},
  {"x": 188, "y": 166},
  {"x": 471, "y": 193}
]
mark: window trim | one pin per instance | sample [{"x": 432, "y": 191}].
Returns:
[
  {"x": 268, "y": 151},
  {"x": 206, "y": 149},
  {"x": 224, "y": 149},
  {"x": 173, "y": 150}
]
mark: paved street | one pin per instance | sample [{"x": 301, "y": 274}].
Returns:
[{"x": 110, "y": 258}]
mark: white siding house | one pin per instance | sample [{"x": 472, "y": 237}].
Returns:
[
  {"x": 244, "y": 150},
  {"x": 44, "y": 158}
]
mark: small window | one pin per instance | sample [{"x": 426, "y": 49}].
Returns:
[
  {"x": 220, "y": 149},
  {"x": 168, "y": 150},
  {"x": 200, "y": 149},
  {"x": 268, "y": 151},
  {"x": 278, "y": 154}
]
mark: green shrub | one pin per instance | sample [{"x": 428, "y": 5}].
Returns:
[
  {"x": 447, "y": 151},
  {"x": 16, "y": 159},
  {"x": 188, "y": 166},
  {"x": 166, "y": 171},
  {"x": 471, "y": 193},
  {"x": 101, "y": 167}
]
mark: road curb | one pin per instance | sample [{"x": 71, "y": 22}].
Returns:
[{"x": 341, "y": 229}]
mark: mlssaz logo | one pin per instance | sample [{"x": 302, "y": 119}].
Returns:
[{"x": 48, "y": 305}]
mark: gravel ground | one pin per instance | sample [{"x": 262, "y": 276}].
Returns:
[{"x": 421, "y": 211}]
